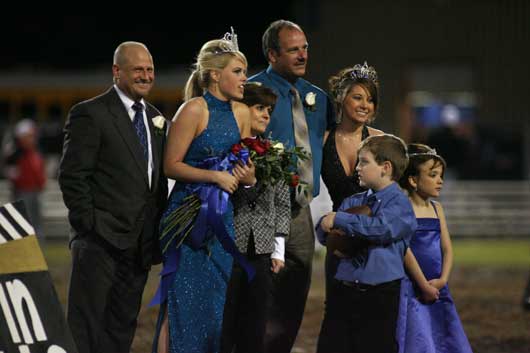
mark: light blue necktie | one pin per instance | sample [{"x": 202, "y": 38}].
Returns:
[{"x": 301, "y": 138}]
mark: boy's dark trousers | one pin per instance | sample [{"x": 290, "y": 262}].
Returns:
[
  {"x": 247, "y": 306},
  {"x": 291, "y": 285},
  {"x": 361, "y": 318}
]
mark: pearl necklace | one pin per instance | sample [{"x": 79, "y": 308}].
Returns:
[{"x": 349, "y": 138}]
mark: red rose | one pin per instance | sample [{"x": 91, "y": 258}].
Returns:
[
  {"x": 255, "y": 145},
  {"x": 249, "y": 142},
  {"x": 266, "y": 144},
  {"x": 236, "y": 148},
  {"x": 295, "y": 180},
  {"x": 259, "y": 148}
]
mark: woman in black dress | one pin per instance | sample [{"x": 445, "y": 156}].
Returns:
[{"x": 354, "y": 91}]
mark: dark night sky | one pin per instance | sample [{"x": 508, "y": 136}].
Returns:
[{"x": 81, "y": 42}]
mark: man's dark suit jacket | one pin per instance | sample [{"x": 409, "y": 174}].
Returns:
[{"x": 103, "y": 176}]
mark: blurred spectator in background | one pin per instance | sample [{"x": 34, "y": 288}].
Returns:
[
  {"x": 526, "y": 296},
  {"x": 25, "y": 169},
  {"x": 454, "y": 138}
]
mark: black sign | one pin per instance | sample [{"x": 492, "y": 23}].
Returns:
[{"x": 31, "y": 317}]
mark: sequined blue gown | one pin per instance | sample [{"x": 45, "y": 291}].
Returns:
[
  {"x": 429, "y": 328},
  {"x": 196, "y": 297}
]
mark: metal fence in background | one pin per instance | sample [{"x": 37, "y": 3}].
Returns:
[
  {"x": 487, "y": 208},
  {"x": 472, "y": 208}
]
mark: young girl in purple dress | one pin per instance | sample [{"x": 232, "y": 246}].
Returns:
[{"x": 428, "y": 321}]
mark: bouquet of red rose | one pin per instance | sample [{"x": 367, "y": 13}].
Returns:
[{"x": 273, "y": 162}]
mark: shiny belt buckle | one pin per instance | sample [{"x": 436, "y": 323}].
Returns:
[{"x": 361, "y": 287}]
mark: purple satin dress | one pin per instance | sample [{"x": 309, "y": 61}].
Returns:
[{"x": 429, "y": 328}]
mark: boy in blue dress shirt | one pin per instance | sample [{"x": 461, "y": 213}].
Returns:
[{"x": 365, "y": 310}]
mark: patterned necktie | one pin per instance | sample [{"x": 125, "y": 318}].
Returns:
[
  {"x": 373, "y": 202},
  {"x": 301, "y": 137},
  {"x": 139, "y": 127}
]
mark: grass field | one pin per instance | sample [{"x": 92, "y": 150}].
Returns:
[
  {"x": 467, "y": 252},
  {"x": 487, "y": 284},
  {"x": 496, "y": 253}
]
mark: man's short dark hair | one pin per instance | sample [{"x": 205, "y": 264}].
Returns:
[{"x": 270, "y": 39}]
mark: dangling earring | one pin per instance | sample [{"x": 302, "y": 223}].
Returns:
[{"x": 216, "y": 86}]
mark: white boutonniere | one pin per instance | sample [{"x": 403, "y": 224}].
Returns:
[
  {"x": 158, "y": 122},
  {"x": 310, "y": 101},
  {"x": 279, "y": 146}
]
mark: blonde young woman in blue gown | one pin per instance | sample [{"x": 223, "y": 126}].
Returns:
[{"x": 206, "y": 125}]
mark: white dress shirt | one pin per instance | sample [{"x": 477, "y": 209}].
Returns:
[{"x": 128, "y": 103}]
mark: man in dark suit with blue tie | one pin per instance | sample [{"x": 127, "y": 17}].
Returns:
[{"x": 114, "y": 187}]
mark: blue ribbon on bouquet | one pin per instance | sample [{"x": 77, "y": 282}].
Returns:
[{"x": 214, "y": 203}]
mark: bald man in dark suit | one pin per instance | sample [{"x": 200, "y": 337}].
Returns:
[{"x": 113, "y": 184}]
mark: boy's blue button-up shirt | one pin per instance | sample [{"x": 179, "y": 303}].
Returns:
[
  {"x": 391, "y": 227},
  {"x": 319, "y": 119}
]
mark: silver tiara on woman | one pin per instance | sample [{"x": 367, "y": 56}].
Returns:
[
  {"x": 230, "y": 37},
  {"x": 431, "y": 152},
  {"x": 364, "y": 72}
]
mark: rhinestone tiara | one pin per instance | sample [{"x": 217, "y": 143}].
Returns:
[
  {"x": 364, "y": 72},
  {"x": 431, "y": 152},
  {"x": 229, "y": 37}
]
